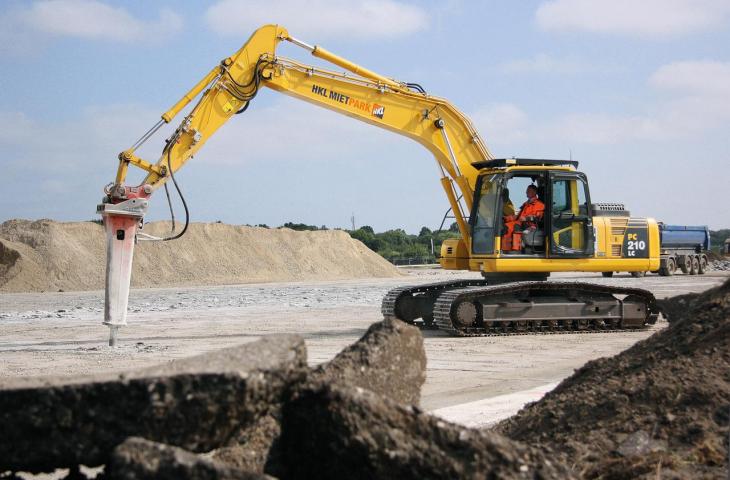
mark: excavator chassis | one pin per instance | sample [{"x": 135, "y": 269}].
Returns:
[{"x": 473, "y": 308}]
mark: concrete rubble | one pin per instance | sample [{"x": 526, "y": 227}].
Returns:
[
  {"x": 140, "y": 459},
  {"x": 199, "y": 403},
  {"x": 256, "y": 410},
  {"x": 389, "y": 360},
  {"x": 720, "y": 265},
  {"x": 329, "y": 431}
]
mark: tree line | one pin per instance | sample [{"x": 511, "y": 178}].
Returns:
[{"x": 395, "y": 245}]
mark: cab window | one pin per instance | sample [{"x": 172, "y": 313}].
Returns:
[{"x": 484, "y": 218}]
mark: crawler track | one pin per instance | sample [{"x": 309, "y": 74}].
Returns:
[
  {"x": 411, "y": 303},
  {"x": 471, "y": 308}
]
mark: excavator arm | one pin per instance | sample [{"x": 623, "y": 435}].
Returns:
[{"x": 229, "y": 87}]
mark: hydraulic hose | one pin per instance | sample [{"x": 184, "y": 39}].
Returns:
[{"x": 170, "y": 144}]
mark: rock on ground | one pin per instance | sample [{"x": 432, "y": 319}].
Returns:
[
  {"x": 389, "y": 360},
  {"x": 140, "y": 459},
  {"x": 254, "y": 446},
  {"x": 198, "y": 403},
  {"x": 659, "y": 409},
  {"x": 329, "y": 431}
]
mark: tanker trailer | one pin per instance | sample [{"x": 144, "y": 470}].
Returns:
[{"x": 683, "y": 247}]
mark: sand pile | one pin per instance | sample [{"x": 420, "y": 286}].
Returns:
[
  {"x": 45, "y": 255},
  {"x": 658, "y": 410}
]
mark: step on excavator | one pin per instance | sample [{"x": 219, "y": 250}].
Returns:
[{"x": 515, "y": 255}]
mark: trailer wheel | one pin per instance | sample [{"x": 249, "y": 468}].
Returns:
[
  {"x": 607, "y": 274},
  {"x": 703, "y": 265},
  {"x": 638, "y": 274},
  {"x": 685, "y": 264},
  {"x": 668, "y": 267},
  {"x": 695, "y": 265}
]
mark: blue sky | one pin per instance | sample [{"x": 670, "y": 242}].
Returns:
[{"x": 638, "y": 92}]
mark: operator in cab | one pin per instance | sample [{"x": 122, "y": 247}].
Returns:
[
  {"x": 530, "y": 214},
  {"x": 532, "y": 210}
]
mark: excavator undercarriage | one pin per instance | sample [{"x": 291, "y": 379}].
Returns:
[{"x": 473, "y": 308}]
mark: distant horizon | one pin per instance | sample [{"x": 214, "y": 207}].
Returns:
[{"x": 409, "y": 232}]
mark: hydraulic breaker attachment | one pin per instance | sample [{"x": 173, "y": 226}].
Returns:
[{"x": 121, "y": 221}]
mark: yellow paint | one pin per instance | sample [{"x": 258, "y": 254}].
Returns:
[{"x": 503, "y": 264}]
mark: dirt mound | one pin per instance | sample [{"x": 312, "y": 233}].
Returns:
[
  {"x": 45, "y": 255},
  {"x": 661, "y": 406}
]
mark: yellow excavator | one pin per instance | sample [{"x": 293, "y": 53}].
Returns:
[{"x": 571, "y": 234}]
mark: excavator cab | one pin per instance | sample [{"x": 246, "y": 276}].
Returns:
[{"x": 565, "y": 230}]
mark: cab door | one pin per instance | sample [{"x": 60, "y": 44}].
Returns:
[{"x": 569, "y": 218}]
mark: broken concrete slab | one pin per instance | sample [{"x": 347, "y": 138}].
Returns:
[
  {"x": 331, "y": 431},
  {"x": 140, "y": 459},
  {"x": 253, "y": 446},
  {"x": 199, "y": 403},
  {"x": 389, "y": 360}
]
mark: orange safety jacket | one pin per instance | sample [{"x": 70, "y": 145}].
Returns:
[
  {"x": 510, "y": 239},
  {"x": 533, "y": 208}
]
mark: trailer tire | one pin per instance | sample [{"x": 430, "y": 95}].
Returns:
[
  {"x": 638, "y": 274},
  {"x": 668, "y": 267},
  {"x": 607, "y": 274},
  {"x": 695, "y": 268},
  {"x": 703, "y": 265},
  {"x": 685, "y": 264}
]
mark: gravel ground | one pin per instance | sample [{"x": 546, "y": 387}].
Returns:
[{"x": 61, "y": 333}]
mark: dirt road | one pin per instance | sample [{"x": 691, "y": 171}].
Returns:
[{"x": 61, "y": 333}]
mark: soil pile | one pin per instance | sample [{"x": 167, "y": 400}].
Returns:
[
  {"x": 658, "y": 410},
  {"x": 45, "y": 255}
]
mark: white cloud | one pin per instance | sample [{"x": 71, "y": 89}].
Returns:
[
  {"x": 697, "y": 102},
  {"x": 93, "y": 139},
  {"x": 694, "y": 77},
  {"x": 502, "y": 123},
  {"x": 86, "y": 19},
  {"x": 42, "y": 157},
  {"x": 630, "y": 17},
  {"x": 15, "y": 128},
  {"x": 544, "y": 63},
  {"x": 315, "y": 19},
  {"x": 290, "y": 128},
  {"x": 602, "y": 129},
  {"x": 285, "y": 129}
]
